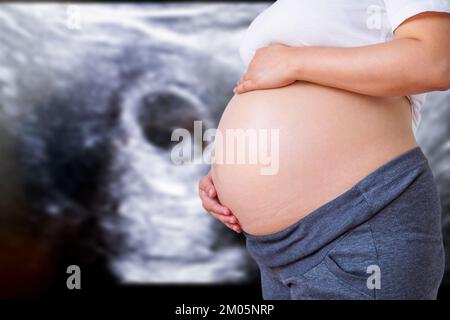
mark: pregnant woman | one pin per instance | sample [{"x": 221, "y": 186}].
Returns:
[{"x": 352, "y": 211}]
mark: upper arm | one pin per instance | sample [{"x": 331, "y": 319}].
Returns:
[
  {"x": 426, "y": 26},
  {"x": 419, "y": 19},
  {"x": 432, "y": 29},
  {"x": 400, "y": 11}
]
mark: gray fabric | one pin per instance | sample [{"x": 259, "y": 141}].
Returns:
[{"x": 390, "y": 219}]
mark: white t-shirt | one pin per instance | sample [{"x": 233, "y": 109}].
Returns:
[{"x": 336, "y": 23}]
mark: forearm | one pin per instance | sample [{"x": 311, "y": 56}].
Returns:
[{"x": 400, "y": 67}]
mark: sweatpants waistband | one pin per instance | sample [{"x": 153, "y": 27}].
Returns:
[{"x": 352, "y": 208}]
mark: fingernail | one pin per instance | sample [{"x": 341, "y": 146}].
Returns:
[{"x": 210, "y": 192}]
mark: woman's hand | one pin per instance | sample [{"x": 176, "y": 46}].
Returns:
[
  {"x": 416, "y": 61},
  {"x": 271, "y": 67},
  {"x": 208, "y": 195}
]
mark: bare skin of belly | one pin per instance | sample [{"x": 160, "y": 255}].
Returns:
[{"x": 329, "y": 139}]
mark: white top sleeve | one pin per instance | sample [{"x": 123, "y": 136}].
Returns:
[{"x": 400, "y": 10}]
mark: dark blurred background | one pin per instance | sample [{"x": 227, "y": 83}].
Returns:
[{"x": 89, "y": 96}]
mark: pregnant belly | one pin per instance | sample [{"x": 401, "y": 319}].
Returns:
[{"x": 283, "y": 153}]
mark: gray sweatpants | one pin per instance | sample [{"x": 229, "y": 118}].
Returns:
[{"x": 381, "y": 239}]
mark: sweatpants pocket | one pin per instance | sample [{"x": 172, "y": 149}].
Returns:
[
  {"x": 343, "y": 272},
  {"x": 321, "y": 283}
]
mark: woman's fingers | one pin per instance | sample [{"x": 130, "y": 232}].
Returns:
[
  {"x": 230, "y": 221},
  {"x": 242, "y": 79},
  {"x": 225, "y": 219},
  {"x": 206, "y": 184},
  {"x": 208, "y": 195},
  {"x": 210, "y": 204},
  {"x": 247, "y": 85},
  {"x": 211, "y": 192},
  {"x": 235, "y": 228}
]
